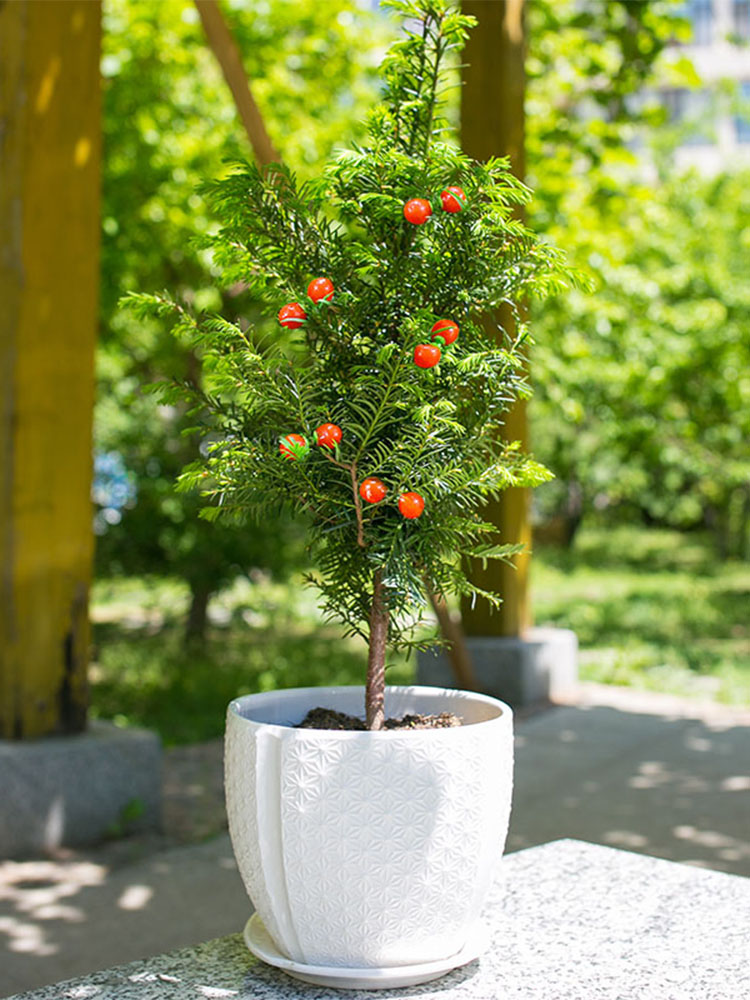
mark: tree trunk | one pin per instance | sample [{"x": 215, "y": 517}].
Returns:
[
  {"x": 375, "y": 688},
  {"x": 50, "y": 158},
  {"x": 197, "y": 618},
  {"x": 744, "y": 529},
  {"x": 738, "y": 507},
  {"x": 573, "y": 511},
  {"x": 715, "y": 519}
]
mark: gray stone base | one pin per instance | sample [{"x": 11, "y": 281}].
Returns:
[
  {"x": 73, "y": 790},
  {"x": 541, "y": 666}
]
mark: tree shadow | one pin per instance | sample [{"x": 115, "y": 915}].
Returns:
[
  {"x": 658, "y": 784},
  {"x": 667, "y": 786},
  {"x": 65, "y": 917}
]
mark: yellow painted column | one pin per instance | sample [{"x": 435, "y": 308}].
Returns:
[
  {"x": 50, "y": 108},
  {"x": 492, "y": 124}
]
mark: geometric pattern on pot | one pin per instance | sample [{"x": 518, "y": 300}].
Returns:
[
  {"x": 383, "y": 843},
  {"x": 369, "y": 849}
]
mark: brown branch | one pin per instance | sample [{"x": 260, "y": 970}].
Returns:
[
  {"x": 375, "y": 688},
  {"x": 334, "y": 461},
  {"x": 228, "y": 56},
  {"x": 352, "y": 470},
  {"x": 358, "y": 507}
]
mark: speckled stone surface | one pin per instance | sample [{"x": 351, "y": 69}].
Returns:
[{"x": 569, "y": 921}]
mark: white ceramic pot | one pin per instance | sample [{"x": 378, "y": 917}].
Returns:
[{"x": 362, "y": 849}]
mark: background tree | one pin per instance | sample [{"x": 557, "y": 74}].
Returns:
[
  {"x": 594, "y": 183},
  {"x": 617, "y": 364},
  {"x": 169, "y": 122},
  {"x": 654, "y": 377}
]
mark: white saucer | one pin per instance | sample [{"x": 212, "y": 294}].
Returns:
[{"x": 260, "y": 943}]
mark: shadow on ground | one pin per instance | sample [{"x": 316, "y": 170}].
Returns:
[
  {"x": 665, "y": 784},
  {"x": 669, "y": 786}
]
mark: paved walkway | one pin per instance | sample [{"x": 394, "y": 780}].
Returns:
[{"x": 647, "y": 773}]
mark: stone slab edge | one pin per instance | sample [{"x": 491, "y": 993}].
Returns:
[{"x": 74, "y": 790}]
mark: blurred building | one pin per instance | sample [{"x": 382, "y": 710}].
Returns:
[{"x": 713, "y": 119}]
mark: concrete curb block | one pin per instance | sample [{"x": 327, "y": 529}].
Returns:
[
  {"x": 73, "y": 790},
  {"x": 541, "y": 666}
]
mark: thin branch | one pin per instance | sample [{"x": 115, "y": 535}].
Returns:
[
  {"x": 419, "y": 81},
  {"x": 352, "y": 470},
  {"x": 386, "y": 398},
  {"x": 433, "y": 92},
  {"x": 358, "y": 507}
]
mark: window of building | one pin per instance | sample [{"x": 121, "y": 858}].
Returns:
[
  {"x": 701, "y": 16},
  {"x": 741, "y": 20},
  {"x": 742, "y": 120},
  {"x": 691, "y": 110}
]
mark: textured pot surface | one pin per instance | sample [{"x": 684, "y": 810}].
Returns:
[{"x": 365, "y": 849}]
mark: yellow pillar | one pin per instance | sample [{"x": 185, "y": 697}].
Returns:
[
  {"x": 49, "y": 260},
  {"x": 492, "y": 124}
]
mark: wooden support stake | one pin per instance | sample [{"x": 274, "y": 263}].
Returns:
[
  {"x": 457, "y": 650},
  {"x": 228, "y": 56}
]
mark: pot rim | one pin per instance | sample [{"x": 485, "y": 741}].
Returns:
[{"x": 454, "y": 697}]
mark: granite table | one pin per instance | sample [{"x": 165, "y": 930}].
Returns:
[{"x": 568, "y": 921}]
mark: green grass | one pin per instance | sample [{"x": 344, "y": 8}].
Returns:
[
  {"x": 265, "y": 636},
  {"x": 651, "y": 609}
]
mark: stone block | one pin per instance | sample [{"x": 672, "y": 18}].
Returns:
[
  {"x": 541, "y": 666},
  {"x": 73, "y": 790}
]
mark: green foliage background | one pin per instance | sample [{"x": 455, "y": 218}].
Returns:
[
  {"x": 649, "y": 372},
  {"x": 640, "y": 403},
  {"x": 652, "y": 372}
]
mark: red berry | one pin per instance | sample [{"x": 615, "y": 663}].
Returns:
[
  {"x": 417, "y": 211},
  {"x": 372, "y": 490},
  {"x": 426, "y": 355},
  {"x": 447, "y": 329},
  {"x": 328, "y": 435},
  {"x": 293, "y": 446},
  {"x": 292, "y": 315},
  {"x": 411, "y": 505},
  {"x": 320, "y": 289},
  {"x": 453, "y": 199}
]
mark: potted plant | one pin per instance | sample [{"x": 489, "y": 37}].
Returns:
[{"x": 367, "y": 850}]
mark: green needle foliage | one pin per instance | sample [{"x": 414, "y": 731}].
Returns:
[{"x": 430, "y": 431}]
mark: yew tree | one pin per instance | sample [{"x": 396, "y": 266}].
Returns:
[{"x": 378, "y": 419}]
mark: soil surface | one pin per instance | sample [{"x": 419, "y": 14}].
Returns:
[{"x": 327, "y": 718}]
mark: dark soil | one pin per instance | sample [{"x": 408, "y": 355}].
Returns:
[{"x": 327, "y": 718}]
